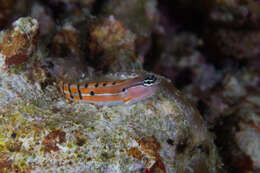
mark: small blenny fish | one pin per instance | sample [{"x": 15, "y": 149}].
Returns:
[{"x": 111, "y": 92}]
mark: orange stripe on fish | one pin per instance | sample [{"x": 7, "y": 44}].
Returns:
[{"x": 111, "y": 92}]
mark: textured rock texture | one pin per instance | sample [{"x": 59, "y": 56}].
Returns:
[{"x": 41, "y": 130}]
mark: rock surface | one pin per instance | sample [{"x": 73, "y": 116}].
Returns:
[{"x": 41, "y": 130}]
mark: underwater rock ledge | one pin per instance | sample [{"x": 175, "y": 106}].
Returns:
[{"x": 42, "y": 130}]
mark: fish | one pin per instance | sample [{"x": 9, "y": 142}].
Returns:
[{"x": 111, "y": 92}]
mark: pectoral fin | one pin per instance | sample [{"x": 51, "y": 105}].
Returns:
[{"x": 127, "y": 100}]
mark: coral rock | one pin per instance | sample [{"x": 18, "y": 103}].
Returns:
[
  {"x": 160, "y": 134},
  {"x": 237, "y": 44},
  {"x": 113, "y": 47},
  {"x": 66, "y": 42},
  {"x": 19, "y": 41}
]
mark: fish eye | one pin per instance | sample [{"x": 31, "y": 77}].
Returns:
[{"x": 149, "y": 80}]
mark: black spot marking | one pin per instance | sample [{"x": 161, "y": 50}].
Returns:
[
  {"x": 92, "y": 93},
  {"x": 104, "y": 84},
  {"x": 71, "y": 96},
  {"x": 123, "y": 90},
  {"x": 86, "y": 85},
  {"x": 80, "y": 96},
  {"x": 96, "y": 85}
]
